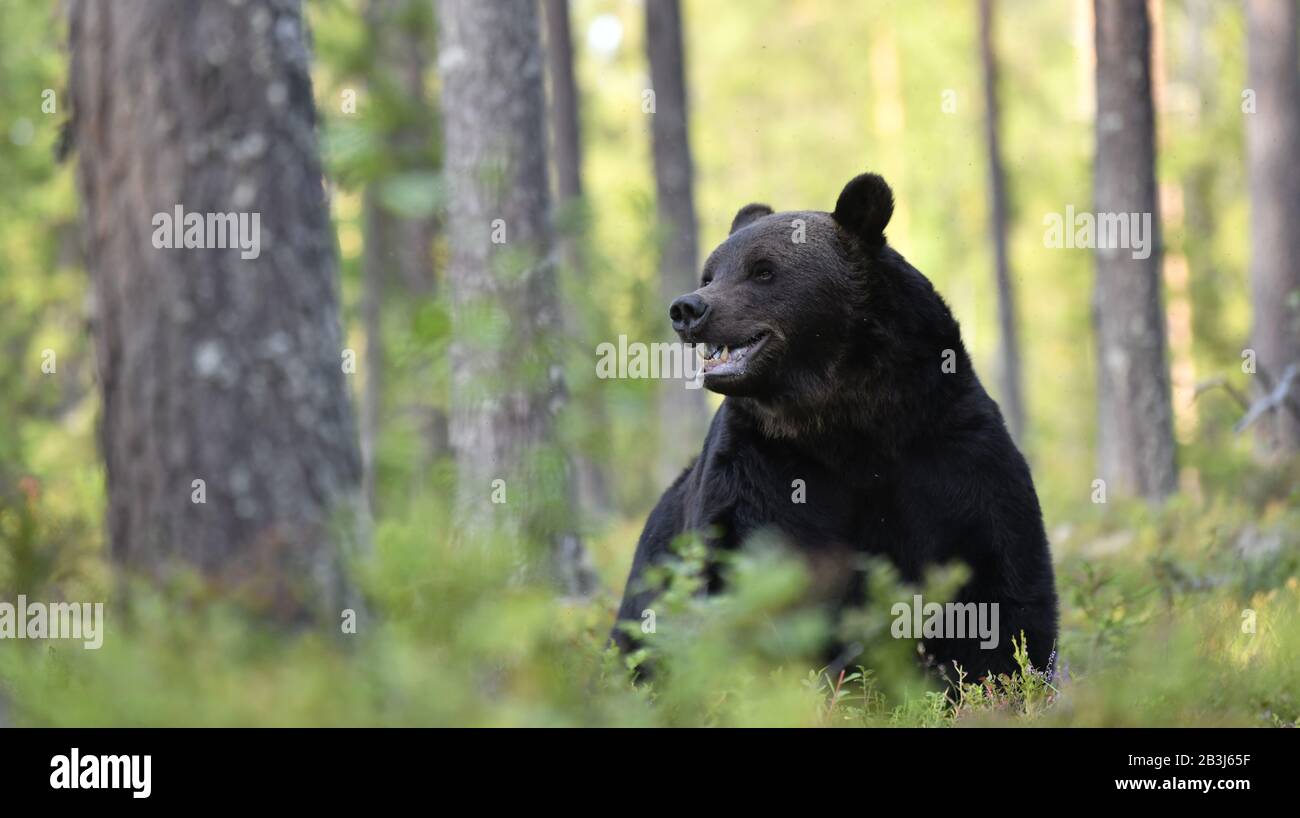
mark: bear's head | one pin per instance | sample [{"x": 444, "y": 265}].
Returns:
[{"x": 803, "y": 312}]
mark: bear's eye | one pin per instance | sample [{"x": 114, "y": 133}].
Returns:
[{"x": 763, "y": 273}]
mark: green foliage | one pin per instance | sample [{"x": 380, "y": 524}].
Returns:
[{"x": 1152, "y": 634}]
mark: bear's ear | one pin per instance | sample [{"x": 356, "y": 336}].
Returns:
[
  {"x": 747, "y": 214},
  {"x": 864, "y": 208}
]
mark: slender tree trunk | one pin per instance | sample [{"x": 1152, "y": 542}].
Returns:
[
  {"x": 566, "y": 148},
  {"x": 513, "y": 478},
  {"x": 405, "y": 39},
  {"x": 1009, "y": 370},
  {"x": 566, "y": 133},
  {"x": 683, "y": 413},
  {"x": 1135, "y": 431},
  {"x": 398, "y": 262},
  {"x": 1273, "y": 154},
  {"x": 215, "y": 368},
  {"x": 373, "y": 284}
]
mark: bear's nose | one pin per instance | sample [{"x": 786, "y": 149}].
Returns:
[{"x": 688, "y": 312}]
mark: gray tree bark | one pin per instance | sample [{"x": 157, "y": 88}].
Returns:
[
  {"x": 1009, "y": 350},
  {"x": 1273, "y": 161},
  {"x": 683, "y": 413},
  {"x": 507, "y": 318},
  {"x": 1135, "y": 425},
  {"x": 214, "y": 367}
]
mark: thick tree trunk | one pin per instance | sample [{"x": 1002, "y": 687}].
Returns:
[
  {"x": 683, "y": 413},
  {"x": 1135, "y": 426},
  {"x": 1273, "y": 154},
  {"x": 215, "y": 367},
  {"x": 1009, "y": 350},
  {"x": 506, "y": 310}
]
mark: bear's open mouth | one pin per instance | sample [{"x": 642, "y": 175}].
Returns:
[{"x": 721, "y": 359}]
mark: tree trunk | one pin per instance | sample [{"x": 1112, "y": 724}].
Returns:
[
  {"x": 566, "y": 152},
  {"x": 1009, "y": 350},
  {"x": 1273, "y": 156},
  {"x": 1135, "y": 430},
  {"x": 378, "y": 234},
  {"x": 214, "y": 367},
  {"x": 566, "y": 133},
  {"x": 506, "y": 319},
  {"x": 404, "y": 38},
  {"x": 683, "y": 413},
  {"x": 398, "y": 264}
]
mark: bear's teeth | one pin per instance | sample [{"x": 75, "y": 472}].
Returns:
[{"x": 726, "y": 354}]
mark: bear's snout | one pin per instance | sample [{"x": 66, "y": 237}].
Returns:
[{"x": 688, "y": 313}]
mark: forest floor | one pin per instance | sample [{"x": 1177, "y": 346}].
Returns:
[{"x": 1184, "y": 615}]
